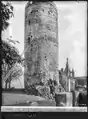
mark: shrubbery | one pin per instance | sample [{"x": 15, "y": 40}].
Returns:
[
  {"x": 44, "y": 91},
  {"x": 31, "y": 90}
]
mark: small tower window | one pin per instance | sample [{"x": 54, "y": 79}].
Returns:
[
  {"x": 29, "y": 22},
  {"x": 28, "y": 40},
  {"x": 48, "y": 12},
  {"x": 45, "y": 56}
]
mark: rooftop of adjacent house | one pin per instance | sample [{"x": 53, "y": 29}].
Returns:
[{"x": 81, "y": 78}]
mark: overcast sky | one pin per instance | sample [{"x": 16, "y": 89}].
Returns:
[{"x": 72, "y": 32}]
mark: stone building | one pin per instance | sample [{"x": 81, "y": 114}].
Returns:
[
  {"x": 81, "y": 82},
  {"x": 41, "y": 41},
  {"x": 66, "y": 78}
]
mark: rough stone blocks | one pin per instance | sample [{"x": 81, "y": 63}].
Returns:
[{"x": 41, "y": 38}]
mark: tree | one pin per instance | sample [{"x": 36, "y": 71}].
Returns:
[
  {"x": 15, "y": 74},
  {"x": 6, "y": 14},
  {"x": 7, "y": 49},
  {"x": 10, "y": 56}
]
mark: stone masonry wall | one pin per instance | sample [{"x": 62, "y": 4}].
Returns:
[{"x": 41, "y": 36}]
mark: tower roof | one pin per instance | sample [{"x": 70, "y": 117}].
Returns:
[
  {"x": 37, "y": 2},
  {"x": 67, "y": 69}
]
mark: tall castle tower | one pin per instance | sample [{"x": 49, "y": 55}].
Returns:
[{"x": 41, "y": 41}]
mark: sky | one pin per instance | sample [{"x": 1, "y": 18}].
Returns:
[{"x": 72, "y": 33}]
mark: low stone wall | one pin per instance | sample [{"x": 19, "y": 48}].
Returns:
[{"x": 64, "y": 99}]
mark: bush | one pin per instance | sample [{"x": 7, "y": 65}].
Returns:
[
  {"x": 44, "y": 91},
  {"x": 31, "y": 90}
]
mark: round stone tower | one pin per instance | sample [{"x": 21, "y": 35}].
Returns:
[{"x": 41, "y": 42}]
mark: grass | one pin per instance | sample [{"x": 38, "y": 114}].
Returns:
[
  {"x": 40, "y": 103},
  {"x": 18, "y": 97}
]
